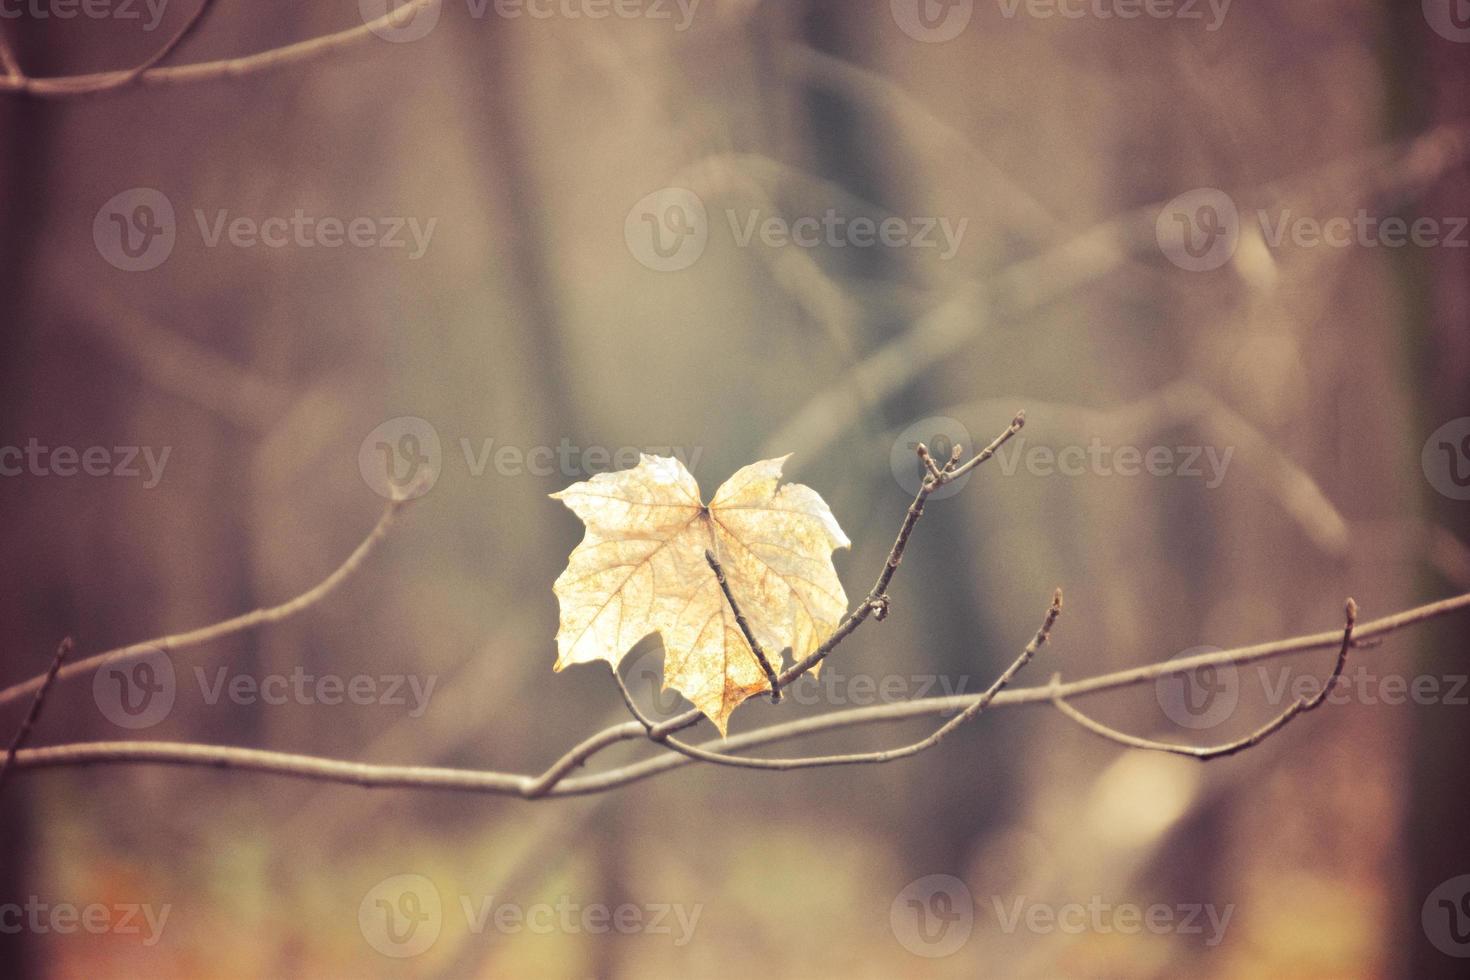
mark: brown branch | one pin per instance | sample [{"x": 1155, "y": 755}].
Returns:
[
  {"x": 169, "y": 47},
  {"x": 1297, "y": 707},
  {"x": 751, "y": 641},
  {"x": 153, "y": 74},
  {"x": 24, "y": 731},
  {"x": 228, "y": 627},
  {"x": 883, "y": 755},
  {"x": 553, "y": 783},
  {"x": 876, "y": 603}
]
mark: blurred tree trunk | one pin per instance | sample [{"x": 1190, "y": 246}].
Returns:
[
  {"x": 23, "y": 156},
  {"x": 1435, "y": 75}
]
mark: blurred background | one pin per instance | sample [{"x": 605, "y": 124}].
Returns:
[{"x": 504, "y": 246}]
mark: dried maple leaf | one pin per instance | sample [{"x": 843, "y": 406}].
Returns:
[{"x": 641, "y": 569}]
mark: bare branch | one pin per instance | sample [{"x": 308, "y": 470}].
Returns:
[
  {"x": 876, "y": 602},
  {"x": 1299, "y": 706},
  {"x": 886, "y": 755},
  {"x": 751, "y": 641},
  {"x": 125, "y": 78},
  {"x": 1020, "y": 288},
  {"x": 553, "y": 783},
  {"x": 152, "y": 74},
  {"x": 229, "y": 627},
  {"x": 24, "y": 731}
]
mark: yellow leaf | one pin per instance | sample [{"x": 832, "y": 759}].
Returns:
[{"x": 641, "y": 569}]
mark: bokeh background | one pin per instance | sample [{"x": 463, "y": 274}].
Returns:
[{"x": 541, "y": 313}]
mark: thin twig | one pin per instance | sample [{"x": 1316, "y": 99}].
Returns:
[
  {"x": 1297, "y": 707},
  {"x": 24, "y": 731},
  {"x": 238, "y": 624},
  {"x": 874, "y": 604},
  {"x": 928, "y": 460},
  {"x": 169, "y": 47},
  {"x": 754, "y": 644},
  {"x": 553, "y": 783},
  {"x": 883, "y": 755},
  {"x": 106, "y": 81},
  {"x": 648, "y": 723}
]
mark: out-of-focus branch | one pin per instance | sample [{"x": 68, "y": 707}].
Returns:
[
  {"x": 150, "y": 73},
  {"x": 8, "y": 64},
  {"x": 1183, "y": 403},
  {"x": 1393, "y": 171},
  {"x": 228, "y": 627}
]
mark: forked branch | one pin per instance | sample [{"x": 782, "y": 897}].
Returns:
[{"x": 558, "y": 779}]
